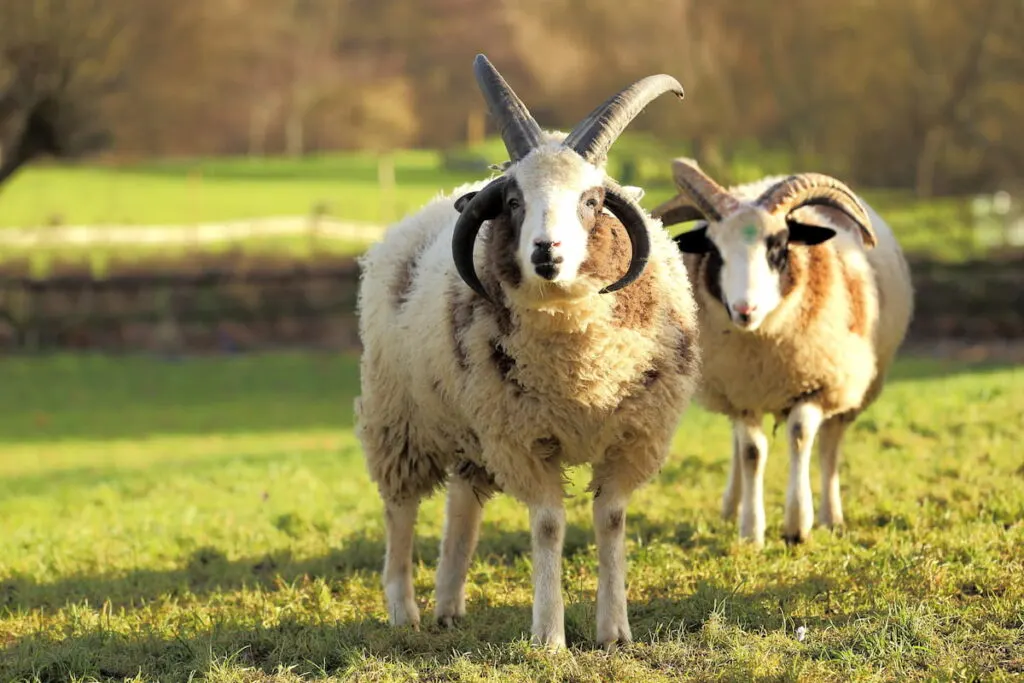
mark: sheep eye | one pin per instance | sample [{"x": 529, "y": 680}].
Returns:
[
  {"x": 513, "y": 203},
  {"x": 592, "y": 203}
]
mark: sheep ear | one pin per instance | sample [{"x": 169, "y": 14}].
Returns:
[
  {"x": 633, "y": 192},
  {"x": 693, "y": 241},
  {"x": 802, "y": 233},
  {"x": 461, "y": 202}
]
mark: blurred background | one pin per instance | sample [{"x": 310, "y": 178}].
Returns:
[{"x": 198, "y": 175}]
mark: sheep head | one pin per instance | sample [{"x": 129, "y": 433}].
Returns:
[
  {"x": 747, "y": 242},
  {"x": 554, "y": 190}
]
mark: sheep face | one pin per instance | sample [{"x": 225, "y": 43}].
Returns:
[
  {"x": 749, "y": 255},
  {"x": 550, "y": 205},
  {"x": 553, "y": 191},
  {"x": 747, "y": 238}
]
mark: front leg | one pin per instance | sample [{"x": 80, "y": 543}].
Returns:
[
  {"x": 547, "y": 534},
  {"x": 400, "y": 523},
  {"x": 610, "y": 529},
  {"x": 752, "y": 445},
  {"x": 623, "y": 470},
  {"x": 537, "y": 481},
  {"x": 803, "y": 424}
]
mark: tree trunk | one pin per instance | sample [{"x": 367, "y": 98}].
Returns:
[
  {"x": 294, "y": 134},
  {"x": 927, "y": 161}
]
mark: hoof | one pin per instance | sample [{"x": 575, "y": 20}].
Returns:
[
  {"x": 552, "y": 642},
  {"x": 448, "y": 621},
  {"x": 795, "y": 539},
  {"x": 611, "y": 646}
]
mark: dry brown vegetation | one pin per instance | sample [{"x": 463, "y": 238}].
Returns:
[{"x": 922, "y": 94}]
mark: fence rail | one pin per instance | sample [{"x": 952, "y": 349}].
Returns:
[{"x": 199, "y": 233}]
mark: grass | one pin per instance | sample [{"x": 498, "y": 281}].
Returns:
[
  {"x": 346, "y": 186},
  {"x": 211, "y": 519}
]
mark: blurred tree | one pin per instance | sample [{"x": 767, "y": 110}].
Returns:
[
  {"x": 925, "y": 95},
  {"x": 59, "y": 60}
]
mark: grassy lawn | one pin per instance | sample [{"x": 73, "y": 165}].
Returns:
[
  {"x": 211, "y": 519},
  {"x": 346, "y": 186}
]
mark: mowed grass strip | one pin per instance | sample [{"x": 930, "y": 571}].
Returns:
[{"x": 212, "y": 519}]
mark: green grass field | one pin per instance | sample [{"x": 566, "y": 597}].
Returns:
[
  {"x": 211, "y": 519},
  {"x": 346, "y": 186}
]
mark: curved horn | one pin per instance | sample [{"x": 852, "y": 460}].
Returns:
[
  {"x": 594, "y": 136},
  {"x": 632, "y": 218},
  {"x": 519, "y": 131},
  {"x": 707, "y": 196},
  {"x": 820, "y": 190},
  {"x": 485, "y": 205},
  {"x": 679, "y": 209}
]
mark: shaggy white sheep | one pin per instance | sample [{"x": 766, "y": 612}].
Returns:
[
  {"x": 565, "y": 335},
  {"x": 804, "y": 297}
]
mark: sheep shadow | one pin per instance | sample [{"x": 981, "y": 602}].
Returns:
[
  {"x": 308, "y": 646},
  {"x": 208, "y": 570}
]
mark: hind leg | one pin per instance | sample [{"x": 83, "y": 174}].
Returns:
[
  {"x": 403, "y": 475},
  {"x": 400, "y": 521},
  {"x": 829, "y": 439}
]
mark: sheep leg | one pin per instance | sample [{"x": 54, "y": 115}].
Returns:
[
  {"x": 537, "y": 481},
  {"x": 731, "y": 497},
  {"x": 610, "y": 530},
  {"x": 461, "y": 532},
  {"x": 752, "y": 447},
  {"x": 803, "y": 424},
  {"x": 400, "y": 522},
  {"x": 547, "y": 532},
  {"x": 831, "y": 512}
]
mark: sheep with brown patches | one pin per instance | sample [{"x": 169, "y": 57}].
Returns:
[
  {"x": 565, "y": 335},
  {"x": 803, "y": 299}
]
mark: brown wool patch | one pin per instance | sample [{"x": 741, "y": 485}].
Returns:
[
  {"x": 858, "y": 303},
  {"x": 615, "y": 520},
  {"x": 650, "y": 377},
  {"x": 460, "y": 317},
  {"x": 477, "y": 477},
  {"x": 548, "y": 447},
  {"x": 502, "y": 361},
  {"x": 404, "y": 280},
  {"x": 608, "y": 256},
  {"x": 502, "y": 243},
  {"x": 813, "y": 266},
  {"x": 686, "y": 354}
]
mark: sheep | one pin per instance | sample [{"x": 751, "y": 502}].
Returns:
[
  {"x": 565, "y": 335},
  {"x": 803, "y": 297}
]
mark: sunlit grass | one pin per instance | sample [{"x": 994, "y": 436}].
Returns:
[{"x": 213, "y": 517}]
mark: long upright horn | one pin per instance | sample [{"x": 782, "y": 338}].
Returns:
[
  {"x": 706, "y": 195},
  {"x": 594, "y": 136},
  {"x": 519, "y": 131},
  {"x": 820, "y": 190}
]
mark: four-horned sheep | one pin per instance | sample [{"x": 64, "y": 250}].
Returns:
[
  {"x": 803, "y": 297},
  {"x": 565, "y": 335}
]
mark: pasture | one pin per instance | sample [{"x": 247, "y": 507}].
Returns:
[
  {"x": 347, "y": 186},
  {"x": 211, "y": 519}
]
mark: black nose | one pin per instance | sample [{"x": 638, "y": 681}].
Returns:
[
  {"x": 542, "y": 255},
  {"x": 544, "y": 262}
]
